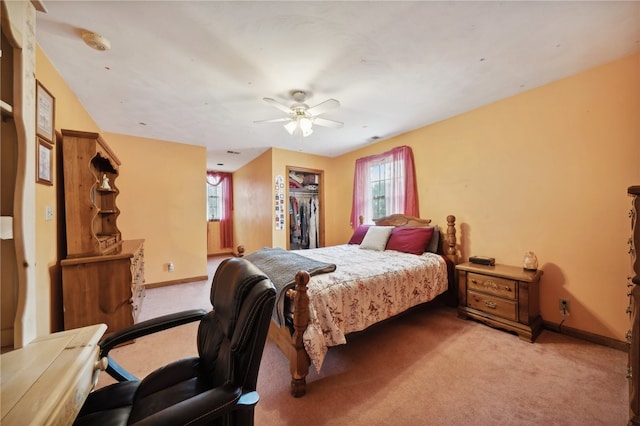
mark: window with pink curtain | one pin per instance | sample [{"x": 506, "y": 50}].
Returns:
[
  {"x": 384, "y": 184},
  {"x": 225, "y": 181}
]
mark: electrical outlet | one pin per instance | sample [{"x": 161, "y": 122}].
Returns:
[
  {"x": 170, "y": 267},
  {"x": 564, "y": 307},
  {"x": 48, "y": 213}
]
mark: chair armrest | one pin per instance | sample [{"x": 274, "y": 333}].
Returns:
[
  {"x": 249, "y": 399},
  {"x": 204, "y": 407},
  {"x": 141, "y": 329}
]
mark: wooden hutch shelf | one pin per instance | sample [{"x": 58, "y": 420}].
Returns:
[{"x": 103, "y": 275}]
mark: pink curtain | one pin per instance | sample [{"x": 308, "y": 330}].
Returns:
[
  {"x": 402, "y": 195},
  {"x": 226, "y": 221}
]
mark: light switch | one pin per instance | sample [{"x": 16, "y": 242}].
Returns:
[{"x": 48, "y": 213}]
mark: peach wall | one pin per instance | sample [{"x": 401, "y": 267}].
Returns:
[
  {"x": 546, "y": 171},
  {"x": 252, "y": 194},
  {"x": 280, "y": 160},
  {"x": 69, "y": 114},
  {"x": 213, "y": 240},
  {"x": 163, "y": 201},
  {"x": 166, "y": 208}
]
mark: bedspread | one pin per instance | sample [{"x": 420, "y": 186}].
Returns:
[{"x": 367, "y": 287}]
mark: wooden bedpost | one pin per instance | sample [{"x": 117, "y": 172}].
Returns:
[
  {"x": 450, "y": 248},
  {"x": 299, "y": 364}
]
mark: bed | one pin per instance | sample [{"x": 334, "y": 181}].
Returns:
[{"x": 326, "y": 293}]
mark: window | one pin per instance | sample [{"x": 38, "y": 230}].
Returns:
[
  {"x": 220, "y": 204},
  {"x": 214, "y": 202},
  {"x": 384, "y": 184},
  {"x": 380, "y": 183}
]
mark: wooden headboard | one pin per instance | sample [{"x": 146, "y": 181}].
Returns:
[
  {"x": 447, "y": 237},
  {"x": 402, "y": 220}
]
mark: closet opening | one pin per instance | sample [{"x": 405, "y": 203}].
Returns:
[{"x": 305, "y": 218}]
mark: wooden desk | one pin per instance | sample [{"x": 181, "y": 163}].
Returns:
[{"x": 47, "y": 381}]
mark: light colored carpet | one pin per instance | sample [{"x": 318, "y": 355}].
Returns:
[{"x": 426, "y": 367}]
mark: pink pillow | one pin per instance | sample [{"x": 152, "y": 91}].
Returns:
[
  {"x": 358, "y": 234},
  {"x": 410, "y": 240}
]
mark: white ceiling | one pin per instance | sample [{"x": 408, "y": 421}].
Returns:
[{"x": 195, "y": 72}]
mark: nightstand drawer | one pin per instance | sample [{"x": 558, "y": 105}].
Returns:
[
  {"x": 500, "y": 307},
  {"x": 493, "y": 285}
]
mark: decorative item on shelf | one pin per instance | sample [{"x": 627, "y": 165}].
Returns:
[
  {"x": 105, "y": 182},
  {"x": 530, "y": 261}
]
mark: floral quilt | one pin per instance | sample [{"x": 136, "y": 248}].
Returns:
[{"x": 367, "y": 287}]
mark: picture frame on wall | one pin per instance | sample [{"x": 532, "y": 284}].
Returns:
[
  {"x": 44, "y": 155},
  {"x": 45, "y": 113}
]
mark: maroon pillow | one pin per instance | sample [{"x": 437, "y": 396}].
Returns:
[
  {"x": 410, "y": 240},
  {"x": 358, "y": 234}
]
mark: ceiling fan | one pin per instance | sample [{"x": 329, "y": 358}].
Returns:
[{"x": 302, "y": 117}]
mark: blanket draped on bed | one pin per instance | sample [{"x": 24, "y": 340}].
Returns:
[{"x": 281, "y": 266}]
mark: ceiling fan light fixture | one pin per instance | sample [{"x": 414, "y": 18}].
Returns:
[
  {"x": 301, "y": 118},
  {"x": 305, "y": 124},
  {"x": 299, "y": 126},
  {"x": 306, "y": 133},
  {"x": 291, "y": 127}
]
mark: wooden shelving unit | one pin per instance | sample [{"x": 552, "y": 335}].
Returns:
[{"x": 103, "y": 275}]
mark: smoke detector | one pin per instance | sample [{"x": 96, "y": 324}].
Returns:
[{"x": 96, "y": 41}]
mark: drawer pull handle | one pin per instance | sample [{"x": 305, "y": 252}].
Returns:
[
  {"x": 629, "y": 373},
  {"x": 489, "y": 284},
  {"x": 101, "y": 364},
  {"x": 490, "y": 304}
]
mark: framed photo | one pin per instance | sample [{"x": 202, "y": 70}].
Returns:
[
  {"x": 45, "y": 108},
  {"x": 44, "y": 173}
]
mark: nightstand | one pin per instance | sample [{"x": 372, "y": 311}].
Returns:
[{"x": 501, "y": 296}]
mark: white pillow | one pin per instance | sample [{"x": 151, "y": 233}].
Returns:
[{"x": 376, "y": 238}]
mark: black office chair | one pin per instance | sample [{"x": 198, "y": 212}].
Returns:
[{"x": 217, "y": 387}]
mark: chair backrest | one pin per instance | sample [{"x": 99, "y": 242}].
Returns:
[{"x": 232, "y": 336}]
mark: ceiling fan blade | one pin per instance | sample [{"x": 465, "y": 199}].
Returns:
[
  {"x": 327, "y": 123},
  {"x": 278, "y": 105},
  {"x": 323, "y": 107},
  {"x": 274, "y": 120}
]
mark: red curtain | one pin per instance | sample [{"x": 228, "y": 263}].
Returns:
[
  {"x": 226, "y": 221},
  {"x": 402, "y": 196}
]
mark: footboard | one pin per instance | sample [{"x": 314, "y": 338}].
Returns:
[{"x": 291, "y": 344}]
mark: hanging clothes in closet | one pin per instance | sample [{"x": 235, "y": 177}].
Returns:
[{"x": 303, "y": 220}]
